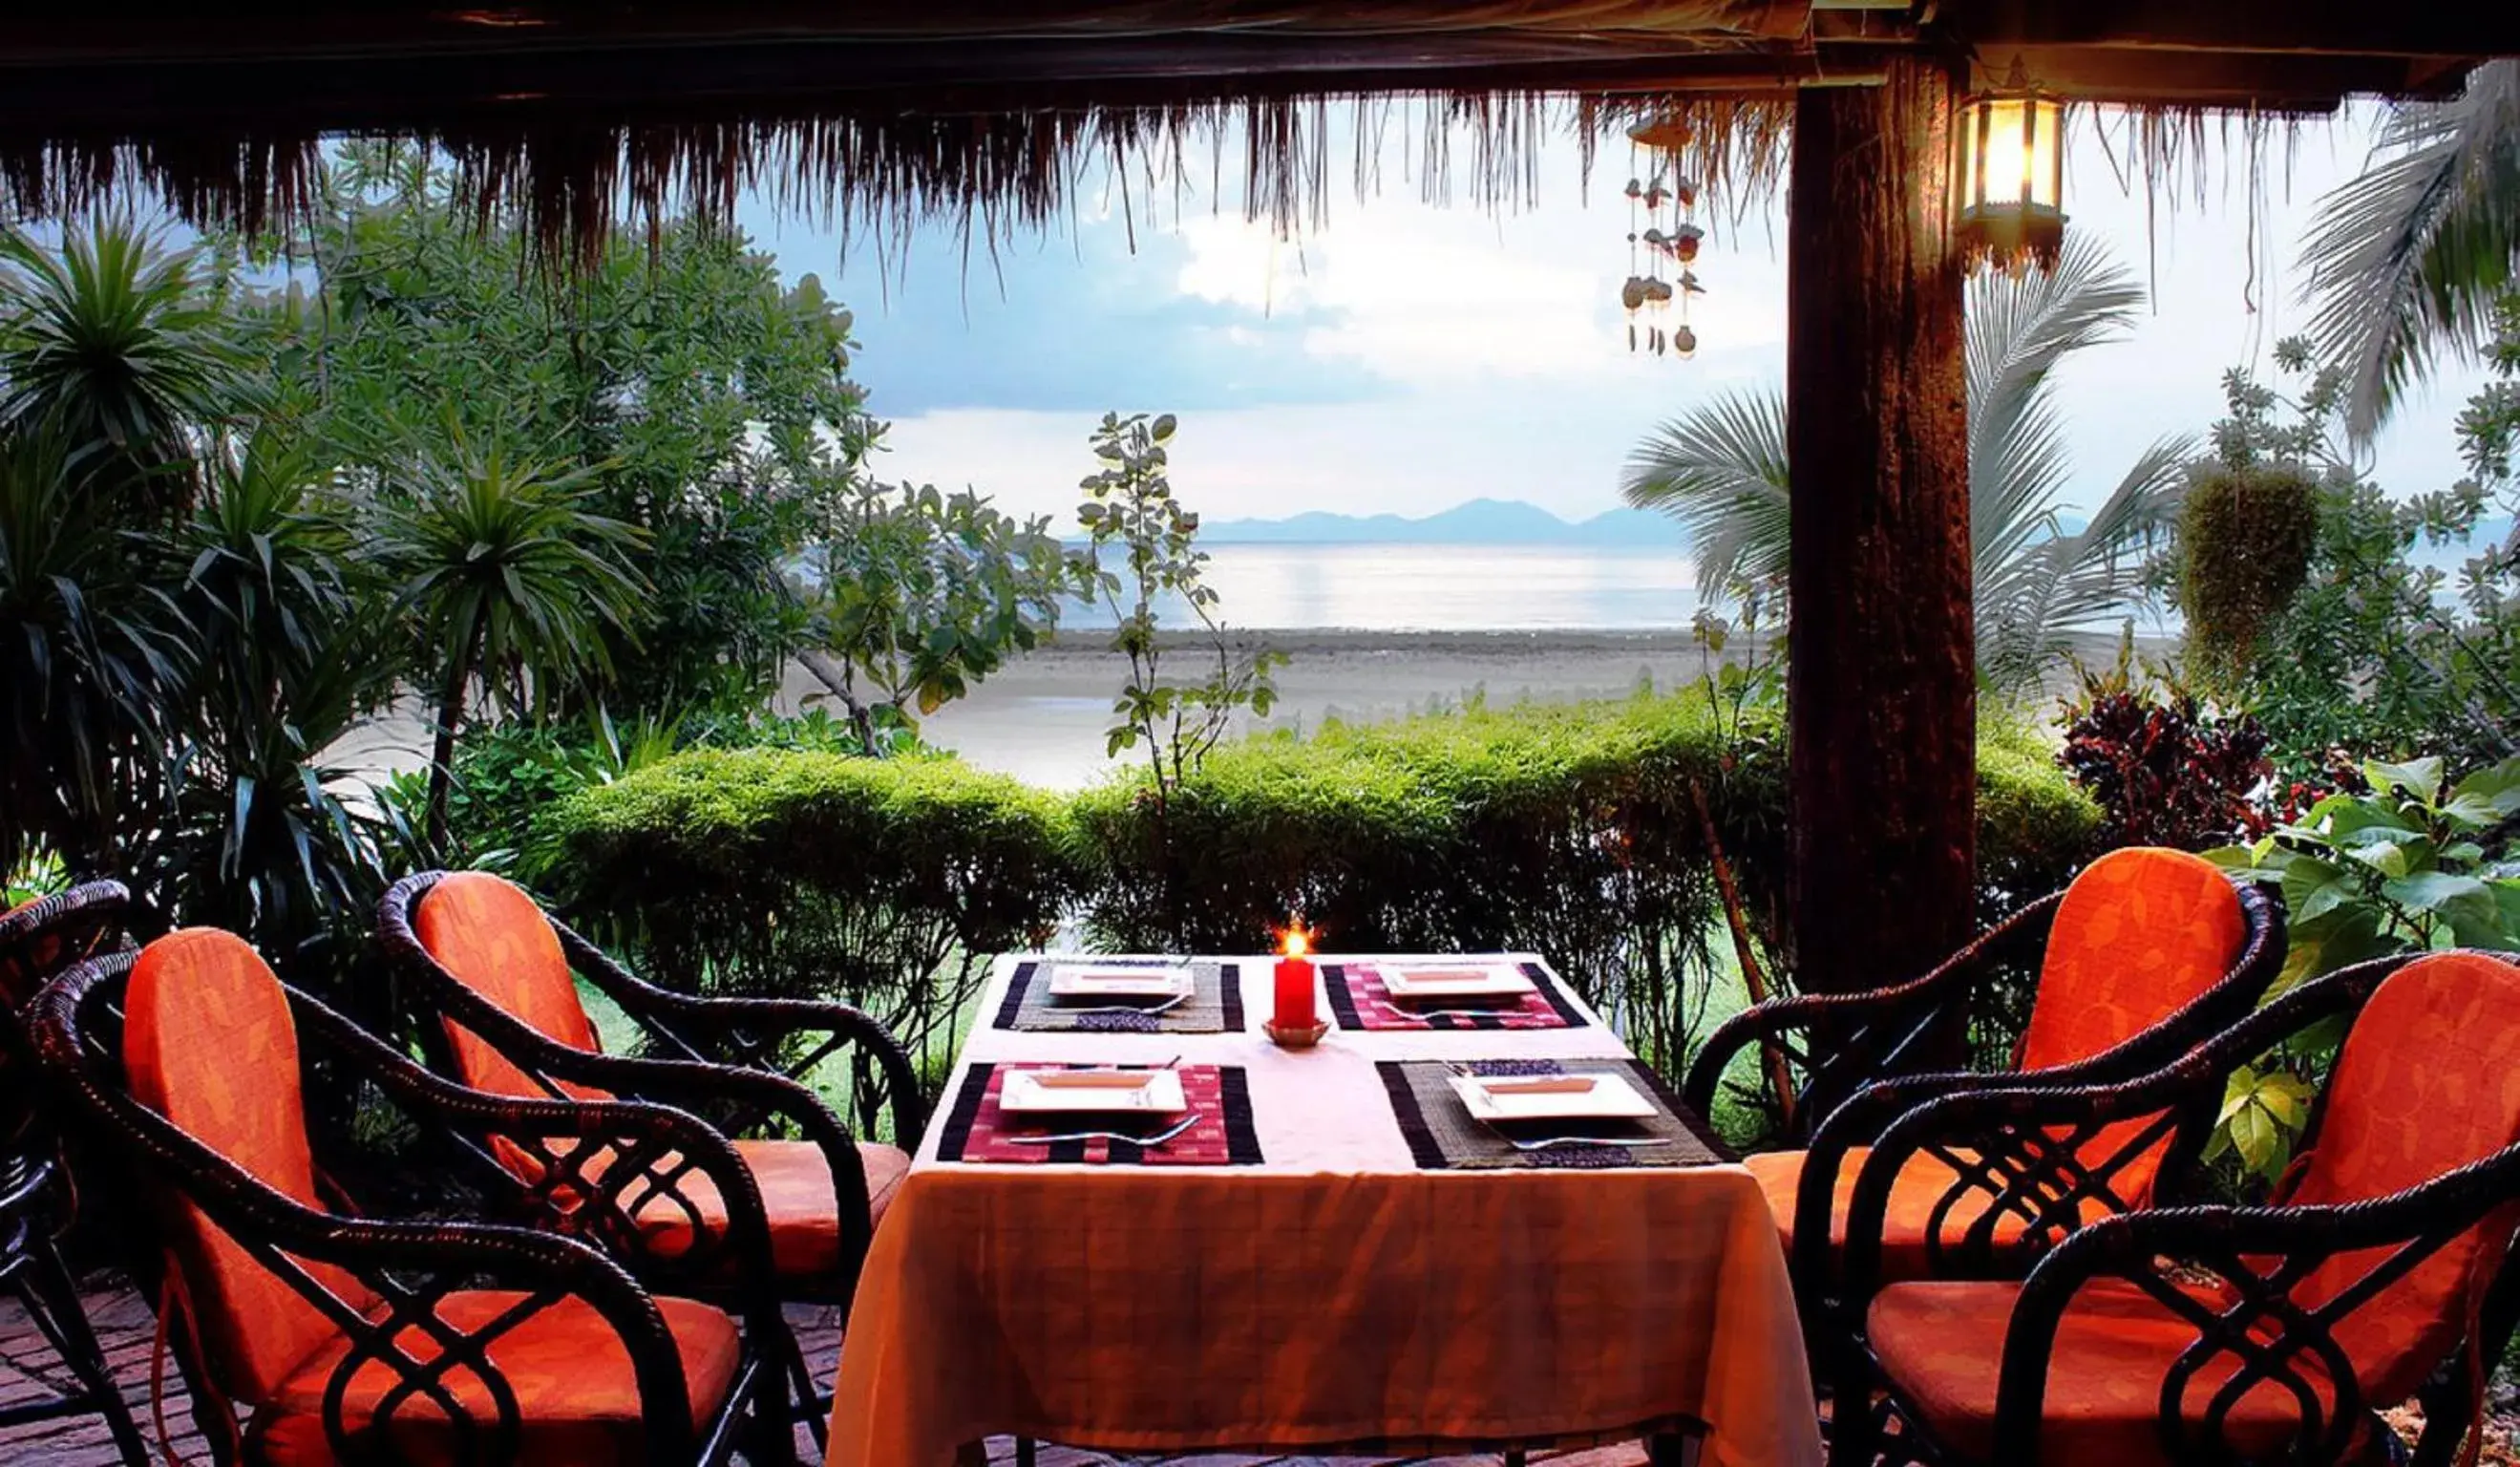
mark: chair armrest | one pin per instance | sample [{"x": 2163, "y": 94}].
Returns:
[
  {"x": 752, "y": 1032},
  {"x": 631, "y": 1157},
  {"x": 1857, "y": 1056},
  {"x": 2254, "y": 1255}
]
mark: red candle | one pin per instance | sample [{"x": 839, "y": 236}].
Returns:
[{"x": 1295, "y": 985}]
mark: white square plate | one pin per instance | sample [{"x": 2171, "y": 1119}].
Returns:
[
  {"x": 1509, "y": 1098},
  {"x": 1088, "y": 981},
  {"x": 1410, "y": 981},
  {"x": 1138, "y": 1092}
]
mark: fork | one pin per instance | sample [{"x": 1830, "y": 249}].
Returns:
[
  {"x": 1173, "y": 1002},
  {"x": 1543, "y": 1142},
  {"x": 1158, "y": 1139}
]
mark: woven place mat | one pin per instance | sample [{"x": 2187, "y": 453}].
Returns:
[
  {"x": 1361, "y": 1001},
  {"x": 1444, "y": 1138},
  {"x": 977, "y": 1130},
  {"x": 1214, "y": 1006}
]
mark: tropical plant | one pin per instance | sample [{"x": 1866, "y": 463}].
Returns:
[
  {"x": 2371, "y": 655},
  {"x": 1129, "y": 513},
  {"x": 512, "y": 577},
  {"x": 2401, "y": 865},
  {"x": 2407, "y": 258},
  {"x": 717, "y": 395},
  {"x": 88, "y": 650},
  {"x": 1721, "y": 472},
  {"x": 114, "y": 342},
  {"x": 921, "y": 595},
  {"x": 2168, "y": 768}
]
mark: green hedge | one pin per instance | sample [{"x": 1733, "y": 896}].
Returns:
[
  {"x": 884, "y": 882},
  {"x": 1571, "y": 830}
]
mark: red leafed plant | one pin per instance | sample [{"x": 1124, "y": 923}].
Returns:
[{"x": 2166, "y": 768}]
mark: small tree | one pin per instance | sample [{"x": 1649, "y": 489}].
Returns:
[
  {"x": 925, "y": 594},
  {"x": 513, "y": 579},
  {"x": 1131, "y": 514}
]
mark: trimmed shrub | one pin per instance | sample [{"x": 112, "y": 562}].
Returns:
[
  {"x": 1570, "y": 829},
  {"x": 888, "y": 883}
]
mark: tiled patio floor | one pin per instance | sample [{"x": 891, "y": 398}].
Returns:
[{"x": 127, "y": 1328}]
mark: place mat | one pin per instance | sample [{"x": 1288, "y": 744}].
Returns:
[
  {"x": 1361, "y": 1001},
  {"x": 1444, "y": 1138},
  {"x": 1214, "y": 1005},
  {"x": 977, "y": 1130}
]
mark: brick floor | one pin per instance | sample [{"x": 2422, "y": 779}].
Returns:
[{"x": 128, "y": 1329}]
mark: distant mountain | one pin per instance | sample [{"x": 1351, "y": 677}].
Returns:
[{"x": 1480, "y": 522}]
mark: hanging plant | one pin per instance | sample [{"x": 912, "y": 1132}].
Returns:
[{"x": 2245, "y": 540}]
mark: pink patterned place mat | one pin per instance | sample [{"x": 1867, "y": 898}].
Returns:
[
  {"x": 1359, "y": 1000},
  {"x": 978, "y": 1130}
]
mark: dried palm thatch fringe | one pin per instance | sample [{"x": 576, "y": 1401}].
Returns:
[{"x": 571, "y": 182}]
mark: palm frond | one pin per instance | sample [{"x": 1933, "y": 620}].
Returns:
[
  {"x": 2404, "y": 261},
  {"x": 1718, "y": 471}
]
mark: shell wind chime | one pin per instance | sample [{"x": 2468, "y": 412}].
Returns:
[{"x": 1663, "y": 240}]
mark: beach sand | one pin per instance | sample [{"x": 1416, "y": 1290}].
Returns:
[{"x": 1042, "y": 716}]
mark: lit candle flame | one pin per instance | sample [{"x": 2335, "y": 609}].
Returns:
[{"x": 1298, "y": 942}]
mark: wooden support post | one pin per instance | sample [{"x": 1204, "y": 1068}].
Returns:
[{"x": 1882, "y": 683}]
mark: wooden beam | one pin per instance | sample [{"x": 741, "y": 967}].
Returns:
[
  {"x": 1882, "y": 687},
  {"x": 2327, "y": 28}
]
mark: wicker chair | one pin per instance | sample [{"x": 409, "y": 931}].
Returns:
[
  {"x": 2147, "y": 953},
  {"x": 338, "y": 1338},
  {"x": 2223, "y": 1334},
  {"x": 493, "y": 969},
  {"x": 37, "y": 1201}
]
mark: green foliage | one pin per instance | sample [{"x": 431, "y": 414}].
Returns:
[
  {"x": 37, "y": 874},
  {"x": 509, "y": 576},
  {"x": 1129, "y": 513},
  {"x": 114, "y": 343},
  {"x": 2166, "y": 767},
  {"x": 2370, "y": 658},
  {"x": 922, "y": 595},
  {"x": 2245, "y": 540},
  {"x": 711, "y": 405},
  {"x": 2402, "y": 867},
  {"x": 1720, "y": 470},
  {"x": 1565, "y": 829},
  {"x": 885, "y": 882}
]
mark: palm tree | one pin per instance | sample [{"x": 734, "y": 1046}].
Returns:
[
  {"x": 113, "y": 340},
  {"x": 513, "y": 579},
  {"x": 1720, "y": 470},
  {"x": 2411, "y": 256}
]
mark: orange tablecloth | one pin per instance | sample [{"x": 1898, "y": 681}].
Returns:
[{"x": 1332, "y": 1295}]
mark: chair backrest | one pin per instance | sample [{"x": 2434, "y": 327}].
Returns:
[
  {"x": 496, "y": 941},
  {"x": 2424, "y": 1084},
  {"x": 2142, "y": 933},
  {"x": 208, "y": 1042}
]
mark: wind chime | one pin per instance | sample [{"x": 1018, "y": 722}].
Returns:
[{"x": 1663, "y": 239}]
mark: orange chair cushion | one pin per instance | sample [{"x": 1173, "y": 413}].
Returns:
[
  {"x": 796, "y": 1185},
  {"x": 2425, "y": 1085},
  {"x": 2140, "y": 933},
  {"x": 497, "y": 942},
  {"x": 1942, "y": 1343},
  {"x": 1919, "y": 1190},
  {"x": 577, "y": 1398},
  {"x": 208, "y": 1043}
]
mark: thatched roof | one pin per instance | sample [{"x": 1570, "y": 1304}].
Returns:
[{"x": 578, "y": 111}]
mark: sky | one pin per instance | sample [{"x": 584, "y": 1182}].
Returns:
[{"x": 1403, "y": 357}]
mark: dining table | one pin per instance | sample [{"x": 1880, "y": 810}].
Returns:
[{"x": 1327, "y": 1252}]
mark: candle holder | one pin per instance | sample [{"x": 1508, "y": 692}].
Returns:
[{"x": 1295, "y": 1038}]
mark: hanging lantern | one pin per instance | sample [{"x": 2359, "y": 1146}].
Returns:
[{"x": 2009, "y": 174}]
